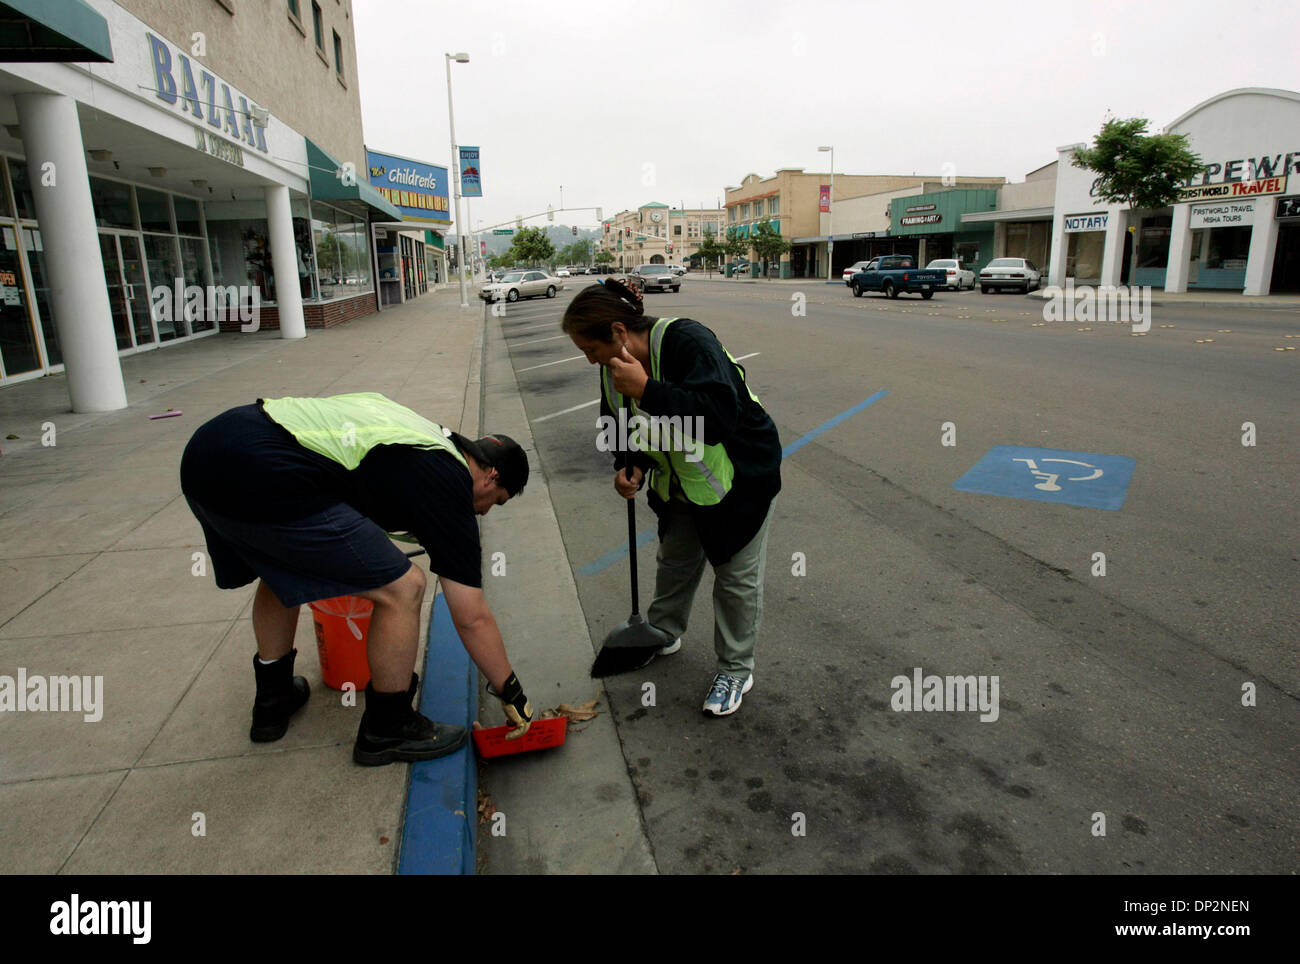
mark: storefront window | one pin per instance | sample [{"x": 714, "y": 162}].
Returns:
[
  {"x": 164, "y": 271},
  {"x": 155, "y": 210},
  {"x": 187, "y": 216},
  {"x": 22, "y": 189},
  {"x": 1083, "y": 256},
  {"x": 17, "y": 334},
  {"x": 1153, "y": 241},
  {"x": 112, "y": 202},
  {"x": 1228, "y": 249},
  {"x": 41, "y": 293},
  {"x": 240, "y": 246},
  {"x": 195, "y": 274},
  {"x": 342, "y": 253}
]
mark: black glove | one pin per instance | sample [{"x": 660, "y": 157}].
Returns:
[{"x": 519, "y": 712}]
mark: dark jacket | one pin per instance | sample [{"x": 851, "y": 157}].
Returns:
[{"x": 698, "y": 379}]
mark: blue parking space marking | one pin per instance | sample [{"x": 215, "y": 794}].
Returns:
[{"x": 1088, "y": 479}]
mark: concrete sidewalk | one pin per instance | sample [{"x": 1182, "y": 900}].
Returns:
[{"x": 101, "y": 579}]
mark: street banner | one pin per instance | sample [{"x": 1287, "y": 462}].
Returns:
[
  {"x": 470, "y": 184},
  {"x": 825, "y": 204}
]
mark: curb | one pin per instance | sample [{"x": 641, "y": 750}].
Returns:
[
  {"x": 439, "y": 831},
  {"x": 1037, "y": 295}
]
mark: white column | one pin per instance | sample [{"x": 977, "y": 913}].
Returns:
[
  {"x": 1263, "y": 247},
  {"x": 56, "y": 160},
  {"x": 284, "y": 261},
  {"x": 1059, "y": 251},
  {"x": 1180, "y": 243},
  {"x": 1112, "y": 259}
]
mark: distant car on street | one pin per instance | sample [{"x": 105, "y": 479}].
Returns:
[
  {"x": 562, "y": 273},
  {"x": 677, "y": 269},
  {"x": 1009, "y": 273},
  {"x": 739, "y": 267},
  {"x": 894, "y": 274},
  {"x": 657, "y": 277},
  {"x": 853, "y": 269},
  {"x": 958, "y": 277},
  {"x": 514, "y": 285}
]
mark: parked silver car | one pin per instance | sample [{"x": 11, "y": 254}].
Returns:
[
  {"x": 1009, "y": 273},
  {"x": 521, "y": 284},
  {"x": 958, "y": 276}
]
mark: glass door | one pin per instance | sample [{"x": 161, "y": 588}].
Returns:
[
  {"x": 137, "y": 288},
  {"x": 117, "y": 301},
  {"x": 128, "y": 289}
]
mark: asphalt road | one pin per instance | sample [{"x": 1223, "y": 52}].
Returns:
[{"x": 1120, "y": 696}]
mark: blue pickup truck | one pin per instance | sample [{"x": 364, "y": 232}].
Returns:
[{"x": 895, "y": 273}]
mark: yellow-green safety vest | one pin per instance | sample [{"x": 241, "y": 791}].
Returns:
[
  {"x": 345, "y": 428},
  {"x": 705, "y": 482}
]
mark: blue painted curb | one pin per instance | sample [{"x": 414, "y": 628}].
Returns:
[{"x": 439, "y": 831}]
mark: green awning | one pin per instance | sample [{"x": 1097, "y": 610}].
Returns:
[
  {"x": 358, "y": 198},
  {"x": 38, "y": 31},
  {"x": 434, "y": 240}
]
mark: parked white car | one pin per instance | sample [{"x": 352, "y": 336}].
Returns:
[
  {"x": 853, "y": 269},
  {"x": 521, "y": 284},
  {"x": 1009, "y": 273},
  {"x": 677, "y": 269},
  {"x": 562, "y": 273},
  {"x": 958, "y": 277}
]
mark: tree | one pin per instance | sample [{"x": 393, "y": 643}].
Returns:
[
  {"x": 735, "y": 246},
  {"x": 1142, "y": 171},
  {"x": 604, "y": 257},
  {"x": 768, "y": 243},
  {"x": 711, "y": 249},
  {"x": 531, "y": 246}
]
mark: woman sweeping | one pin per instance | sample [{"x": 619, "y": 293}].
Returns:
[{"x": 713, "y": 494}]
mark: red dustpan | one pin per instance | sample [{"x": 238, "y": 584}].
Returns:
[{"x": 541, "y": 735}]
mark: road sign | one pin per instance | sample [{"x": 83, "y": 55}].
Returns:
[
  {"x": 503, "y": 231},
  {"x": 1051, "y": 475}
]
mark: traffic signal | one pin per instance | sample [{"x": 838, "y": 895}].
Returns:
[
  {"x": 670, "y": 249},
  {"x": 575, "y": 230}
]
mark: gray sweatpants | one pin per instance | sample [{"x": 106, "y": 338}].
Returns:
[{"x": 737, "y": 590}]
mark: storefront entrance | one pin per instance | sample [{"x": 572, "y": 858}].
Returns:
[
  {"x": 128, "y": 289},
  {"x": 1286, "y": 261}
]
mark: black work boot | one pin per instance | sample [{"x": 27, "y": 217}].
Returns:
[
  {"x": 280, "y": 694},
  {"x": 391, "y": 730}
]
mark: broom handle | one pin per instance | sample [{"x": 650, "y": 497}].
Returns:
[{"x": 631, "y": 542}]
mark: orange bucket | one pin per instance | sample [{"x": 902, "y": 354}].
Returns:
[{"x": 342, "y": 624}]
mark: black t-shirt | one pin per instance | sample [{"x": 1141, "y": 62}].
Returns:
[{"x": 244, "y": 465}]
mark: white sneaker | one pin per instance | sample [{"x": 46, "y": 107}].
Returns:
[
  {"x": 671, "y": 647},
  {"x": 725, "y": 693}
]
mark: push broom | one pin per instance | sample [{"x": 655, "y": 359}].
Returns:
[{"x": 634, "y": 643}]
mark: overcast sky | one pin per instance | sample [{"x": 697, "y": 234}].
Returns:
[{"x": 624, "y": 103}]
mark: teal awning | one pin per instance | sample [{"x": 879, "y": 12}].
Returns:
[
  {"x": 358, "y": 198},
  {"x": 434, "y": 240},
  {"x": 38, "y": 31}
]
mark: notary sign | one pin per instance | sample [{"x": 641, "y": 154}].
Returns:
[{"x": 1079, "y": 223}]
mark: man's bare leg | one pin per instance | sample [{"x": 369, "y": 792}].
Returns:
[
  {"x": 274, "y": 624},
  {"x": 395, "y": 631}
]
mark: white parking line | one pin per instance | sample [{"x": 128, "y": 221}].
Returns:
[
  {"x": 536, "y": 341},
  {"x": 547, "y": 418},
  {"x": 545, "y": 364},
  {"x": 750, "y": 355}
]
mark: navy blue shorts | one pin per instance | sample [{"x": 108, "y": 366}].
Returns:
[{"x": 337, "y": 552}]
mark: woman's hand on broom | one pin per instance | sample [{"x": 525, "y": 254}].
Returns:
[{"x": 626, "y": 487}]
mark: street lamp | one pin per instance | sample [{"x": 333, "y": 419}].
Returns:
[
  {"x": 460, "y": 58},
  {"x": 830, "y": 216}
]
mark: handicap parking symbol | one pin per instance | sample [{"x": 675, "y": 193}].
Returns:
[{"x": 1051, "y": 475}]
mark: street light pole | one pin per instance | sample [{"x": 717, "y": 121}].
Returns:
[
  {"x": 830, "y": 216},
  {"x": 460, "y": 58}
]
